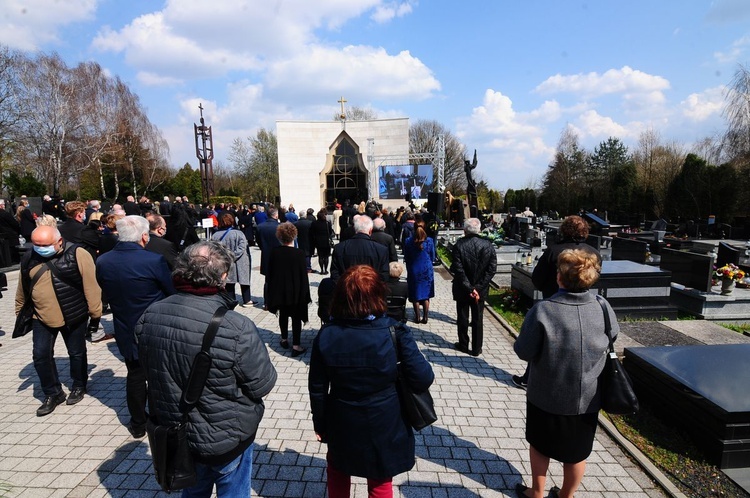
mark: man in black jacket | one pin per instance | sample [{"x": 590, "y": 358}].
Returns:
[
  {"x": 225, "y": 421},
  {"x": 157, "y": 229},
  {"x": 379, "y": 236},
  {"x": 474, "y": 265},
  {"x": 72, "y": 227},
  {"x": 360, "y": 250}
]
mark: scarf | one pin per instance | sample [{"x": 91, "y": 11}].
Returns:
[{"x": 182, "y": 285}]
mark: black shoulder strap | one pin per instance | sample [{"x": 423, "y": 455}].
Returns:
[
  {"x": 213, "y": 327},
  {"x": 201, "y": 366},
  {"x": 395, "y": 344},
  {"x": 34, "y": 280},
  {"x": 607, "y": 324}
]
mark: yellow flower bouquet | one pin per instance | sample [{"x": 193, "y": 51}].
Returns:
[{"x": 730, "y": 271}]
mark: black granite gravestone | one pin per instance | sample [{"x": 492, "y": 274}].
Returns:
[
  {"x": 629, "y": 249},
  {"x": 704, "y": 389},
  {"x": 690, "y": 269}
]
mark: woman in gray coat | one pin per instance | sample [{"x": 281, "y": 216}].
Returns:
[
  {"x": 564, "y": 340},
  {"x": 234, "y": 240}
]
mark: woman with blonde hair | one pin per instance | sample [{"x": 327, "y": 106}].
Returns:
[{"x": 563, "y": 338}]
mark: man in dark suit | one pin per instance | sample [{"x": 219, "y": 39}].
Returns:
[
  {"x": 303, "y": 240},
  {"x": 266, "y": 241},
  {"x": 9, "y": 232},
  {"x": 165, "y": 208},
  {"x": 379, "y": 236},
  {"x": 72, "y": 227},
  {"x": 130, "y": 207},
  {"x": 474, "y": 265},
  {"x": 360, "y": 250},
  {"x": 157, "y": 226},
  {"x": 132, "y": 278}
]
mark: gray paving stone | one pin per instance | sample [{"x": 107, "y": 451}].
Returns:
[{"x": 476, "y": 449}]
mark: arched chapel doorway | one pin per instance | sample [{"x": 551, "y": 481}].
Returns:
[{"x": 345, "y": 175}]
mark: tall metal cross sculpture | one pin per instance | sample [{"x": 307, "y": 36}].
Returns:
[{"x": 204, "y": 150}]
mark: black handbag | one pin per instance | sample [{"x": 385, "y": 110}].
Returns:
[
  {"x": 25, "y": 316},
  {"x": 173, "y": 460},
  {"x": 417, "y": 408},
  {"x": 615, "y": 386}
]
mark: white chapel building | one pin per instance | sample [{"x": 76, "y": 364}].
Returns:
[{"x": 323, "y": 161}]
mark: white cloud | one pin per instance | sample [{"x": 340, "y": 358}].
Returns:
[
  {"x": 735, "y": 51},
  {"x": 388, "y": 11},
  {"x": 626, "y": 81},
  {"x": 592, "y": 124},
  {"x": 151, "y": 45},
  {"x": 704, "y": 105},
  {"x": 360, "y": 71},
  {"x": 151, "y": 79},
  {"x": 29, "y": 24}
]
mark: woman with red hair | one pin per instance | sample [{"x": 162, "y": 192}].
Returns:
[{"x": 352, "y": 384}]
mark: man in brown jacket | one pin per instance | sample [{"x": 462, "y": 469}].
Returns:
[{"x": 65, "y": 296}]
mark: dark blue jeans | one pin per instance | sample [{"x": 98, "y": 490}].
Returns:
[
  {"x": 43, "y": 353},
  {"x": 232, "y": 479}
]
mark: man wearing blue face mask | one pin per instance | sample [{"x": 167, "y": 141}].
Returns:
[{"x": 64, "y": 296}]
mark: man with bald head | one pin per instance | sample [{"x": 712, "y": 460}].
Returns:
[{"x": 65, "y": 296}]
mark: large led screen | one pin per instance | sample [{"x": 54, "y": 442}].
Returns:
[{"x": 398, "y": 182}]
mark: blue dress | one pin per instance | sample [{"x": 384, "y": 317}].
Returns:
[{"x": 420, "y": 275}]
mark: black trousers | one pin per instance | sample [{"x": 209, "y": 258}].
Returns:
[
  {"x": 477, "y": 326},
  {"x": 285, "y": 313},
  {"x": 136, "y": 393}
]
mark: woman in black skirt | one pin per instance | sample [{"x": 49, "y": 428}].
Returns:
[
  {"x": 564, "y": 340},
  {"x": 321, "y": 235}
]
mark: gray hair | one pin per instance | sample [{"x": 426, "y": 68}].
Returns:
[
  {"x": 472, "y": 226},
  {"x": 272, "y": 212},
  {"x": 362, "y": 223},
  {"x": 131, "y": 228},
  {"x": 378, "y": 224},
  {"x": 203, "y": 264}
]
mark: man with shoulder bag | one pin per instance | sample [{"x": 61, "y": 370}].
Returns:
[
  {"x": 213, "y": 421},
  {"x": 64, "y": 296}
]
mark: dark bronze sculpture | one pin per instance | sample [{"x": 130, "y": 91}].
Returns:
[{"x": 471, "y": 186}]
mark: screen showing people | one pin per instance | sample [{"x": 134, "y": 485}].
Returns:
[{"x": 398, "y": 182}]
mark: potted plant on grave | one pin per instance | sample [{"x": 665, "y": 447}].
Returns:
[{"x": 729, "y": 274}]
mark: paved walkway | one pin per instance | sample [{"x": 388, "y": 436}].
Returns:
[{"x": 476, "y": 449}]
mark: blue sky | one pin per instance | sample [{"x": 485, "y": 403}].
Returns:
[{"x": 505, "y": 76}]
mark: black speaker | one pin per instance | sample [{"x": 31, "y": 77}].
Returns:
[{"x": 435, "y": 203}]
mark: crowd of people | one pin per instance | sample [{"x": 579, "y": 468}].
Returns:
[{"x": 145, "y": 263}]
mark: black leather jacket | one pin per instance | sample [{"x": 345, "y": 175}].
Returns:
[{"x": 474, "y": 265}]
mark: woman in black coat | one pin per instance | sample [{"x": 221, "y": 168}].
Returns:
[
  {"x": 288, "y": 286},
  {"x": 320, "y": 238},
  {"x": 352, "y": 383}
]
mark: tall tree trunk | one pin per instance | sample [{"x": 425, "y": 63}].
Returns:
[
  {"x": 101, "y": 178},
  {"x": 117, "y": 186}
]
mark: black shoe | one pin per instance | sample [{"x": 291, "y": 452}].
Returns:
[
  {"x": 298, "y": 352},
  {"x": 554, "y": 492},
  {"x": 519, "y": 382},
  {"x": 49, "y": 404},
  {"x": 521, "y": 490},
  {"x": 284, "y": 343},
  {"x": 136, "y": 432},
  {"x": 459, "y": 347},
  {"x": 75, "y": 396}
]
